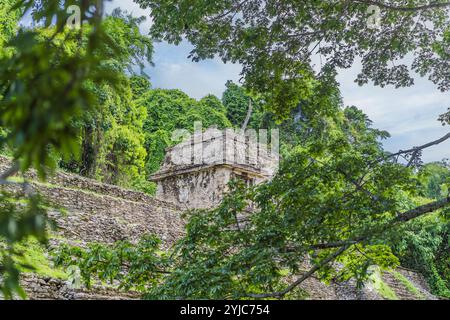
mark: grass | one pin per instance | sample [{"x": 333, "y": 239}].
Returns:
[
  {"x": 381, "y": 287},
  {"x": 34, "y": 260},
  {"x": 86, "y": 191},
  {"x": 16, "y": 179},
  {"x": 411, "y": 288}
]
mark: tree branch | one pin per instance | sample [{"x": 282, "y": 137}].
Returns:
[
  {"x": 421, "y": 210},
  {"x": 282, "y": 293},
  {"x": 345, "y": 244},
  {"x": 415, "y": 151},
  {"x": 224, "y": 14}
]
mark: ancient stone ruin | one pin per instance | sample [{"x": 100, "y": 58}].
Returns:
[{"x": 196, "y": 172}]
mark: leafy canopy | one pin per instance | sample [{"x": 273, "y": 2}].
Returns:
[
  {"x": 277, "y": 41},
  {"x": 168, "y": 110}
]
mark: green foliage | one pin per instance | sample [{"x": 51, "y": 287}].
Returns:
[
  {"x": 143, "y": 185},
  {"x": 445, "y": 118},
  {"x": 136, "y": 266},
  {"x": 139, "y": 86},
  {"x": 435, "y": 180},
  {"x": 72, "y": 95},
  {"x": 275, "y": 41},
  {"x": 168, "y": 110},
  {"x": 124, "y": 155},
  {"x": 312, "y": 112},
  {"x": 3, "y": 149},
  {"x": 411, "y": 288},
  {"x": 44, "y": 84},
  {"x": 32, "y": 257},
  {"x": 423, "y": 245},
  {"x": 333, "y": 199},
  {"x": 359, "y": 260},
  {"x": 133, "y": 48},
  {"x": 173, "y": 109},
  {"x": 19, "y": 220},
  {"x": 110, "y": 135},
  {"x": 50, "y": 80},
  {"x": 8, "y": 22},
  {"x": 236, "y": 102}
]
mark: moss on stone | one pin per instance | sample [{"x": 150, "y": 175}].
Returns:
[
  {"x": 381, "y": 287},
  {"x": 34, "y": 260},
  {"x": 411, "y": 288}
]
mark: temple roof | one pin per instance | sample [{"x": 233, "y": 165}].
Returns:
[{"x": 218, "y": 148}]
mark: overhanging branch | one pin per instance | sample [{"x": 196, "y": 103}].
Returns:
[
  {"x": 421, "y": 210},
  {"x": 416, "y": 150},
  {"x": 282, "y": 293},
  {"x": 345, "y": 244}
]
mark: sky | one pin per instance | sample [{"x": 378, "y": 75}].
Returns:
[{"x": 408, "y": 114}]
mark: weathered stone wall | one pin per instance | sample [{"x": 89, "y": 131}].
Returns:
[
  {"x": 68, "y": 180},
  {"x": 223, "y": 147},
  {"x": 95, "y": 217},
  {"x": 348, "y": 290},
  {"x": 45, "y": 288},
  {"x": 197, "y": 189},
  {"x": 103, "y": 213}
]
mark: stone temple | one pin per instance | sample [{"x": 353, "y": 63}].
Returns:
[{"x": 196, "y": 172}]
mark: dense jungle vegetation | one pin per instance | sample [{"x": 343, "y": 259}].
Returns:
[{"x": 74, "y": 99}]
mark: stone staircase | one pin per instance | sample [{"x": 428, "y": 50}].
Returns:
[{"x": 417, "y": 289}]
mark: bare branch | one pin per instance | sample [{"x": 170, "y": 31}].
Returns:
[
  {"x": 416, "y": 150},
  {"x": 247, "y": 118}
]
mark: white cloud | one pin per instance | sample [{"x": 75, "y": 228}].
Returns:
[
  {"x": 409, "y": 114},
  {"x": 173, "y": 70}
]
